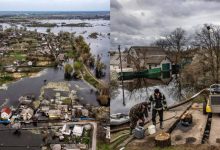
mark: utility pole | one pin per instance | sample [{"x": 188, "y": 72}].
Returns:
[{"x": 122, "y": 80}]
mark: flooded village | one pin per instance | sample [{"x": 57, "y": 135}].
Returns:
[
  {"x": 191, "y": 94},
  {"x": 54, "y": 80}
]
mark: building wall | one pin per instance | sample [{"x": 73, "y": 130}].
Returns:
[{"x": 166, "y": 61}]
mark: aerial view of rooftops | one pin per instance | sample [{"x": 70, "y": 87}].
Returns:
[{"x": 54, "y": 75}]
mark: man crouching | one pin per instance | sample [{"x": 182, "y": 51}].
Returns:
[{"x": 137, "y": 113}]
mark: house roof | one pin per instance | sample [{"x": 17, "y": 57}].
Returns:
[
  {"x": 78, "y": 130},
  {"x": 151, "y": 55},
  {"x": 6, "y": 110},
  {"x": 143, "y": 51},
  {"x": 154, "y": 59}
]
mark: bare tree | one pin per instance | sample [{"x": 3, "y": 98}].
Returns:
[
  {"x": 208, "y": 39},
  {"x": 162, "y": 43},
  {"x": 177, "y": 42}
]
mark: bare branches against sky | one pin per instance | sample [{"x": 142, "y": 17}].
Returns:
[{"x": 139, "y": 22}]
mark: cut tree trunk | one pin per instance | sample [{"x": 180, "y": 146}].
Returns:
[
  {"x": 163, "y": 140},
  {"x": 186, "y": 119}
]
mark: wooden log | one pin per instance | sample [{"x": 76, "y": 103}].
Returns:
[
  {"x": 163, "y": 140},
  {"x": 186, "y": 119}
]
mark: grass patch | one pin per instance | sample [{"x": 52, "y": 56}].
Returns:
[
  {"x": 70, "y": 54},
  {"x": 91, "y": 80},
  {"x": 67, "y": 101},
  {"x": 101, "y": 145},
  {"x": 36, "y": 104},
  {"x": 199, "y": 99},
  {"x": 18, "y": 56},
  {"x": 6, "y": 78}
]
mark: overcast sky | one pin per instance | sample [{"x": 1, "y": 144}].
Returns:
[
  {"x": 54, "y": 5},
  {"x": 140, "y": 22}
]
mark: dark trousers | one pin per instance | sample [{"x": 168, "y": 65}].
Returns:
[{"x": 154, "y": 114}]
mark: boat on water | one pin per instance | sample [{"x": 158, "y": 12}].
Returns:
[
  {"x": 119, "y": 119},
  {"x": 3, "y": 87}
]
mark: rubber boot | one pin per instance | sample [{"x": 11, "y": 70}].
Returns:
[{"x": 161, "y": 125}]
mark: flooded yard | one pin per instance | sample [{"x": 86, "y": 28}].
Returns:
[
  {"x": 33, "y": 85},
  {"x": 99, "y": 46},
  {"x": 137, "y": 91}
]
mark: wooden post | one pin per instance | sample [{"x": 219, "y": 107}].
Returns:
[{"x": 122, "y": 80}]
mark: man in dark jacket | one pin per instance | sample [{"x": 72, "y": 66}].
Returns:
[
  {"x": 137, "y": 113},
  {"x": 159, "y": 103}
]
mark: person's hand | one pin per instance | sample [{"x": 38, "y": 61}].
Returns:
[
  {"x": 141, "y": 122},
  {"x": 165, "y": 108}
]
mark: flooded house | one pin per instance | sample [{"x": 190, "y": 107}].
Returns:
[
  {"x": 27, "y": 114},
  {"x": 141, "y": 62},
  {"x": 115, "y": 61},
  {"x": 151, "y": 58},
  {"x": 115, "y": 64}
]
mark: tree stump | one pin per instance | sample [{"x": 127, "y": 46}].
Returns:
[{"x": 163, "y": 140}]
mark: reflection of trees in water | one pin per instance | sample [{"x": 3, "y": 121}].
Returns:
[
  {"x": 139, "y": 89},
  {"x": 141, "y": 85},
  {"x": 114, "y": 89},
  {"x": 138, "y": 85}
]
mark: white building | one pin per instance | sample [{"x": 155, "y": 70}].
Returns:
[
  {"x": 78, "y": 130},
  {"x": 144, "y": 57}
]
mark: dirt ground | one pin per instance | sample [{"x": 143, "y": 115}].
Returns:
[{"x": 179, "y": 147}]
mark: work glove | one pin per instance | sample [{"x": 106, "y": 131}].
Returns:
[{"x": 165, "y": 108}]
